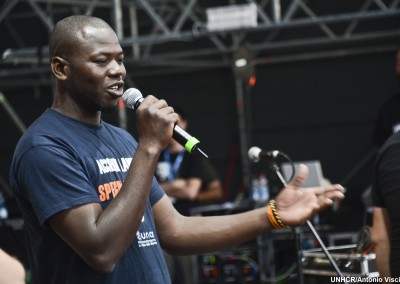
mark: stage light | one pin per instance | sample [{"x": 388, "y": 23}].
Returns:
[
  {"x": 240, "y": 62},
  {"x": 231, "y": 17}
]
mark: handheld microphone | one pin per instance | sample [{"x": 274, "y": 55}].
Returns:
[
  {"x": 133, "y": 98},
  {"x": 256, "y": 154}
]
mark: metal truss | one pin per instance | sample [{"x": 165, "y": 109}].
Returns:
[{"x": 172, "y": 36}]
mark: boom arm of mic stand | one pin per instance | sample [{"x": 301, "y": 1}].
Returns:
[{"x": 275, "y": 168}]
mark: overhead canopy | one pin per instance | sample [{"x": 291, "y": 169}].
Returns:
[{"x": 174, "y": 35}]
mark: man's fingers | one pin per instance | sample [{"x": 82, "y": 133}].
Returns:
[
  {"x": 334, "y": 193},
  {"x": 326, "y": 196},
  {"x": 332, "y": 189}
]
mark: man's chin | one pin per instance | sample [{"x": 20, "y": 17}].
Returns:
[{"x": 108, "y": 109}]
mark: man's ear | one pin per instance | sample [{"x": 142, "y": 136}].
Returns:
[{"x": 60, "y": 67}]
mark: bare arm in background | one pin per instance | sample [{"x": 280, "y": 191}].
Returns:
[
  {"x": 212, "y": 193},
  {"x": 11, "y": 270},
  {"x": 380, "y": 236}
]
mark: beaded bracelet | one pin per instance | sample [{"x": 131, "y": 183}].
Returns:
[
  {"x": 273, "y": 216},
  {"x": 272, "y": 219}
]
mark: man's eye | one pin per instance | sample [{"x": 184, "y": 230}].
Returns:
[{"x": 101, "y": 61}]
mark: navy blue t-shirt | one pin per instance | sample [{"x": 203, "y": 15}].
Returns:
[{"x": 60, "y": 163}]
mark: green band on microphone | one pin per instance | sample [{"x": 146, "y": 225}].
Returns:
[{"x": 191, "y": 143}]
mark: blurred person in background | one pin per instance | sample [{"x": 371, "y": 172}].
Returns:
[{"x": 385, "y": 233}]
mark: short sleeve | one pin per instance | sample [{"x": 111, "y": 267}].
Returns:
[
  {"x": 54, "y": 180},
  {"x": 156, "y": 192},
  {"x": 387, "y": 175}
]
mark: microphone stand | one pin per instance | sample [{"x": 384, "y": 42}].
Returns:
[{"x": 296, "y": 230}]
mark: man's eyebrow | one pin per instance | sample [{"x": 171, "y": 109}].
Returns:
[{"x": 108, "y": 53}]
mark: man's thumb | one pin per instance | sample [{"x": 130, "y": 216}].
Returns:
[{"x": 300, "y": 176}]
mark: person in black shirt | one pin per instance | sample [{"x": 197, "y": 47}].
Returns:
[
  {"x": 385, "y": 233},
  {"x": 189, "y": 180}
]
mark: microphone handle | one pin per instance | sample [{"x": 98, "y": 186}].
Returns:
[
  {"x": 186, "y": 140},
  {"x": 137, "y": 103}
]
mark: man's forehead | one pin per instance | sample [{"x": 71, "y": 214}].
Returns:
[
  {"x": 98, "y": 40},
  {"x": 98, "y": 34}
]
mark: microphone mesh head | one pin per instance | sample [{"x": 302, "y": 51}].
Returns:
[
  {"x": 131, "y": 96},
  {"x": 254, "y": 154}
]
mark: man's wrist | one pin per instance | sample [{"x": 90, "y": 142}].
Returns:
[{"x": 273, "y": 216}]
